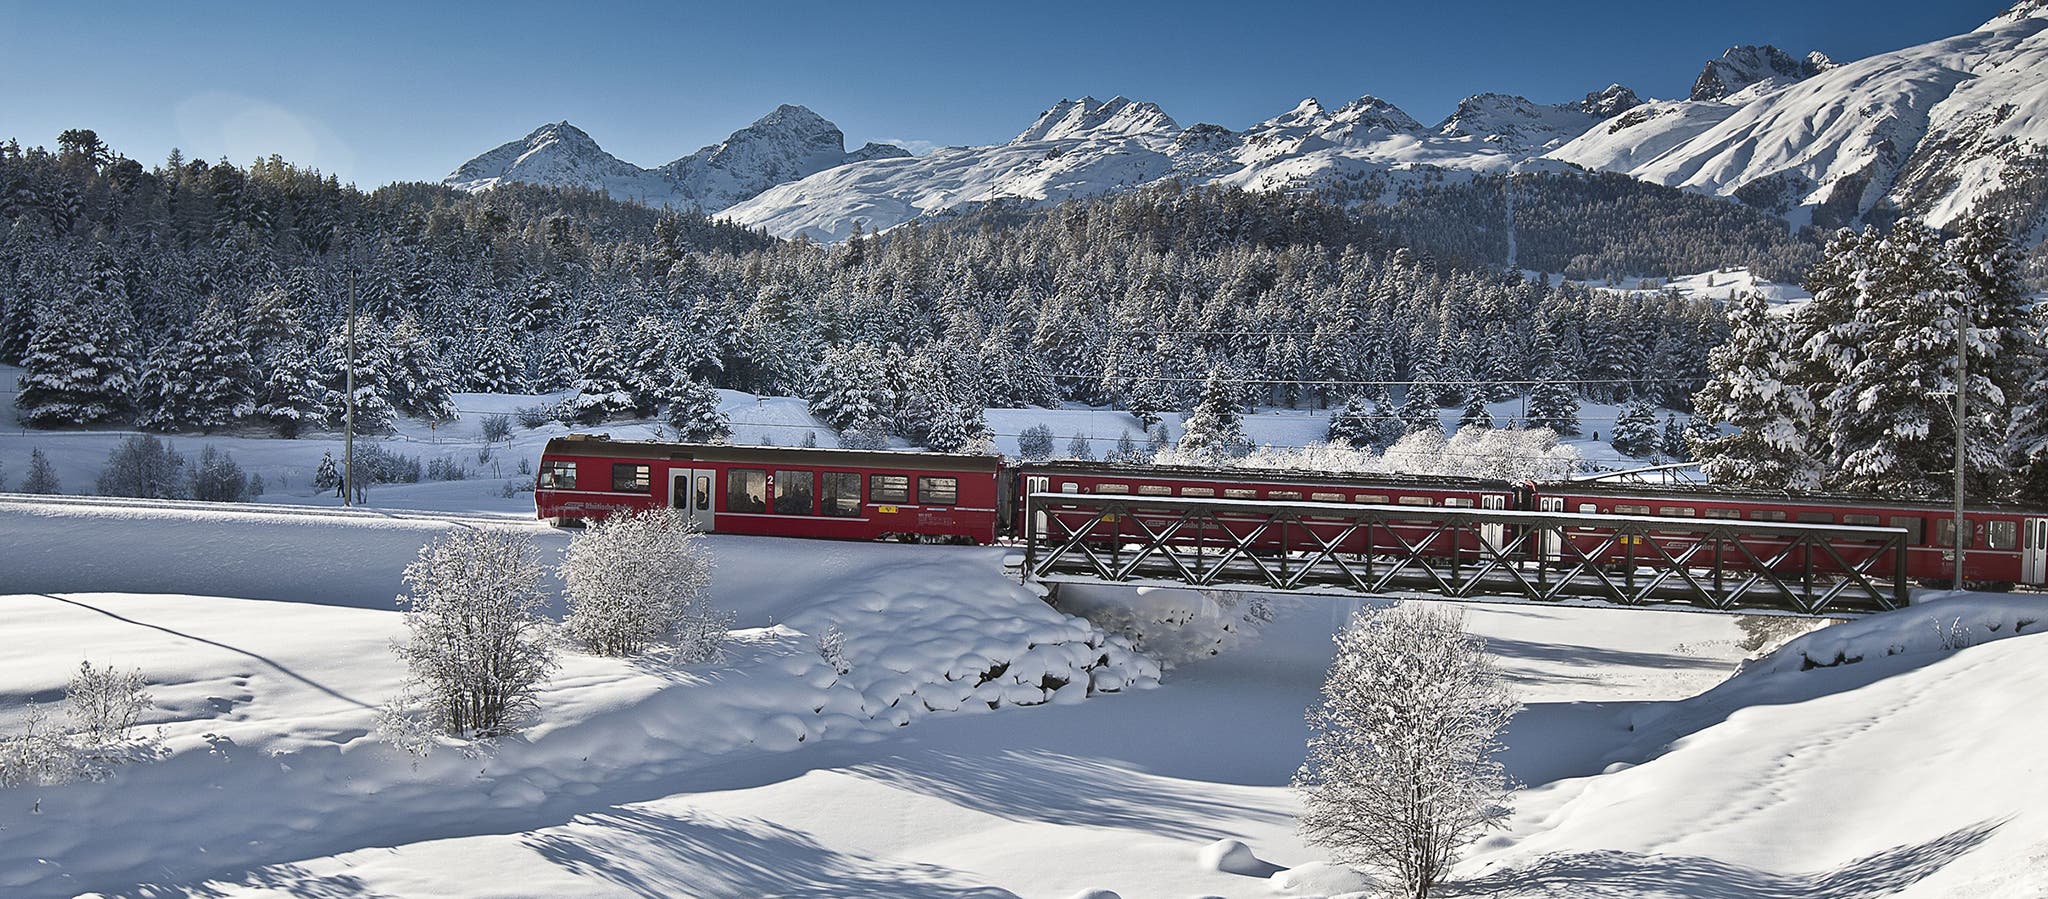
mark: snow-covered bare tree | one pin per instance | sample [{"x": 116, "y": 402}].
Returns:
[
  {"x": 478, "y": 648},
  {"x": 637, "y": 581},
  {"x": 1401, "y": 769}
]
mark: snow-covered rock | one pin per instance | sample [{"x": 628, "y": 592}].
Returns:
[{"x": 1744, "y": 66}]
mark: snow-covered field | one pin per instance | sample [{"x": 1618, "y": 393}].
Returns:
[{"x": 961, "y": 754}]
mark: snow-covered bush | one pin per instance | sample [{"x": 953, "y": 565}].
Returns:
[
  {"x": 446, "y": 469},
  {"x": 216, "y": 478},
  {"x": 497, "y": 427},
  {"x": 103, "y": 704},
  {"x": 832, "y": 648},
  {"x": 478, "y": 648},
  {"x": 1401, "y": 769},
  {"x": 637, "y": 581},
  {"x": 531, "y": 417},
  {"x": 143, "y": 466}
]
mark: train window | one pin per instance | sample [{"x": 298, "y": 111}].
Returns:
[
  {"x": 1589, "y": 509},
  {"x": 1945, "y": 532},
  {"x": 558, "y": 475},
  {"x": 1675, "y": 511},
  {"x": 2003, "y": 534},
  {"x": 1414, "y": 501},
  {"x": 1627, "y": 509},
  {"x": 1239, "y": 493},
  {"x": 1112, "y": 488},
  {"x": 1069, "y": 487},
  {"x": 1914, "y": 525},
  {"x": 1816, "y": 518},
  {"x": 746, "y": 490},
  {"x": 703, "y": 493},
  {"x": 1855, "y": 518},
  {"x": 1371, "y": 499},
  {"x": 792, "y": 492},
  {"x": 1767, "y": 515},
  {"x": 893, "y": 488},
  {"x": 629, "y": 478},
  {"x": 938, "y": 491},
  {"x": 1327, "y": 497},
  {"x": 1283, "y": 494},
  {"x": 1154, "y": 490},
  {"x": 1198, "y": 491},
  {"x": 840, "y": 496},
  {"x": 1723, "y": 513},
  {"x": 1458, "y": 502}
]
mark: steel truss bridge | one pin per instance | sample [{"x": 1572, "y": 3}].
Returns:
[{"x": 1343, "y": 549}]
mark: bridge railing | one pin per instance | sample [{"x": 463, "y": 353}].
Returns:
[{"x": 1465, "y": 553}]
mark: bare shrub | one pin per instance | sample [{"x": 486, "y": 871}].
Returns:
[
  {"x": 478, "y": 648},
  {"x": 637, "y": 581},
  {"x": 1401, "y": 769},
  {"x": 497, "y": 427},
  {"x": 103, "y": 704},
  {"x": 832, "y": 648}
]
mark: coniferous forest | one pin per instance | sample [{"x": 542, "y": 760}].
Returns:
[{"x": 198, "y": 296}]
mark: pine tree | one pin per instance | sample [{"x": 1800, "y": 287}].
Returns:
[
  {"x": 1673, "y": 442},
  {"x": 41, "y": 477},
  {"x": 1353, "y": 425},
  {"x": 204, "y": 380},
  {"x": 291, "y": 398},
  {"x": 603, "y": 390},
  {"x": 1476, "y": 414},
  {"x": 77, "y": 370},
  {"x": 1635, "y": 430},
  {"x": 1753, "y": 384},
  {"x": 1555, "y": 406},
  {"x": 1214, "y": 432},
  {"x": 1079, "y": 449},
  {"x": 1126, "y": 451},
  {"x": 693, "y": 411},
  {"x": 1419, "y": 411}
]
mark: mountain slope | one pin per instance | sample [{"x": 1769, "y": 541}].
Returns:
[
  {"x": 1932, "y": 131},
  {"x": 788, "y": 143}
]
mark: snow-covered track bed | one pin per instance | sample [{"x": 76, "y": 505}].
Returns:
[{"x": 187, "y": 506}]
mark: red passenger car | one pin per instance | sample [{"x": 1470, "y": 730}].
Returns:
[{"x": 777, "y": 491}]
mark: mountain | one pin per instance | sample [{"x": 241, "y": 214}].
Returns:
[
  {"x": 1087, "y": 146},
  {"x": 1934, "y": 131},
  {"x": 786, "y": 144}
]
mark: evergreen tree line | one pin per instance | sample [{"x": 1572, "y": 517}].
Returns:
[
  {"x": 203, "y": 296},
  {"x": 1855, "y": 391}
]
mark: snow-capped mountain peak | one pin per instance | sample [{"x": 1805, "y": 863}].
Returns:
[
  {"x": 1515, "y": 122},
  {"x": 1089, "y": 118},
  {"x": 2018, "y": 12},
  {"x": 1745, "y": 65},
  {"x": 556, "y": 154}
]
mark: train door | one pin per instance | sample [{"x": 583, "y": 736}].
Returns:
[
  {"x": 1494, "y": 533},
  {"x": 2034, "y": 552},
  {"x": 689, "y": 489},
  {"x": 1037, "y": 484},
  {"x": 1551, "y": 539}
]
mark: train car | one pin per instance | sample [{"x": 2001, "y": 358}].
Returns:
[
  {"x": 776, "y": 491},
  {"x": 1262, "y": 486},
  {"x": 2005, "y": 545}
]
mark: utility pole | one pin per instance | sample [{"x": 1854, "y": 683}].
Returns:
[
  {"x": 348, "y": 433},
  {"x": 1962, "y": 429}
]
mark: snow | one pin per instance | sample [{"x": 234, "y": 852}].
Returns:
[{"x": 264, "y": 631}]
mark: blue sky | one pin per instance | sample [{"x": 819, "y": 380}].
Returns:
[{"x": 377, "y": 92}]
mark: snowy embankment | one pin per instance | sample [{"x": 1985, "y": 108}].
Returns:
[
  {"x": 268, "y": 705},
  {"x": 1914, "y": 770}
]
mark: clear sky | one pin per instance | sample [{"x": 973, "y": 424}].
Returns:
[{"x": 377, "y": 92}]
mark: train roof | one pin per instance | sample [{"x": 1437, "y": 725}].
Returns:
[{"x": 602, "y": 445}]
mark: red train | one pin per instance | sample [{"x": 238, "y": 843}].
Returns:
[{"x": 869, "y": 495}]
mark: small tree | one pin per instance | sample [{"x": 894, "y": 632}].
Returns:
[
  {"x": 478, "y": 649},
  {"x": 1401, "y": 769},
  {"x": 143, "y": 466},
  {"x": 215, "y": 477},
  {"x": 1635, "y": 430},
  {"x": 1078, "y": 449},
  {"x": 1035, "y": 442},
  {"x": 637, "y": 581},
  {"x": 1214, "y": 431},
  {"x": 693, "y": 411},
  {"x": 41, "y": 477},
  {"x": 1126, "y": 451}
]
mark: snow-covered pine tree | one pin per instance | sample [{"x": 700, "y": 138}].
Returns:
[
  {"x": 604, "y": 389},
  {"x": 291, "y": 398},
  {"x": 1034, "y": 443},
  {"x": 1672, "y": 443},
  {"x": 203, "y": 381},
  {"x": 1476, "y": 414},
  {"x": 1752, "y": 383},
  {"x": 1419, "y": 411},
  {"x": 1126, "y": 451},
  {"x": 1635, "y": 430},
  {"x": 1555, "y": 406},
  {"x": 373, "y": 364},
  {"x": 693, "y": 411},
  {"x": 78, "y": 369},
  {"x": 422, "y": 385},
  {"x": 328, "y": 475},
  {"x": 498, "y": 365},
  {"x": 41, "y": 478},
  {"x": 1352, "y": 425},
  {"x": 1214, "y": 431},
  {"x": 955, "y": 427}
]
